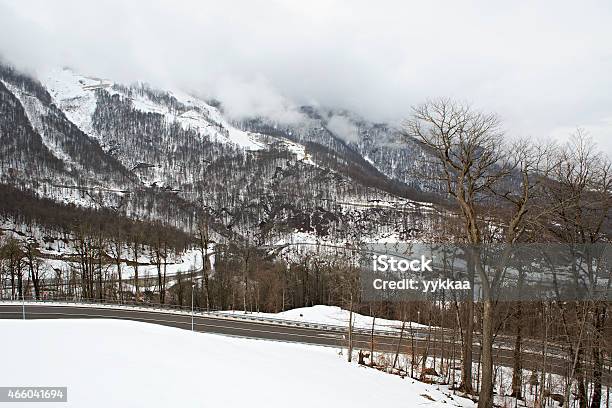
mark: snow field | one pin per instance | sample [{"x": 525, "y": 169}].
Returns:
[{"x": 128, "y": 364}]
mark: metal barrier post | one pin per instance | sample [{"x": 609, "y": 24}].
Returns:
[{"x": 192, "y": 290}]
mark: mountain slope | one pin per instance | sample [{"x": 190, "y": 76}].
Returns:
[{"x": 165, "y": 155}]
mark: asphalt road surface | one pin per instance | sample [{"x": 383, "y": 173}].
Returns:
[{"x": 277, "y": 331}]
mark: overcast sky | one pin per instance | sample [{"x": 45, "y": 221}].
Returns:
[{"x": 544, "y": 66}]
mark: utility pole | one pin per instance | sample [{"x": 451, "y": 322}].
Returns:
[
  {"x": 350, "y": 331},
  {"x": 192, "y": 290}
]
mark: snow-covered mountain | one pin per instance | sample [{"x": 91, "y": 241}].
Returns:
[{"x": 165, "y": 155}]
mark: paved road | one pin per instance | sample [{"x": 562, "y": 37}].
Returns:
[{"x": 268, "y": 330}]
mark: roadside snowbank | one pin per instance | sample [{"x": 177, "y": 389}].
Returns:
[{"x": 333, "y": 316}]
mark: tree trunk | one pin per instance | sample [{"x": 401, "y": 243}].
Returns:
[
  {"x": 517, "y": 367},
  {"x": 372, "y": 342},
  {"x": 163, "y": 289},
  {"x": 466, "y": 364},
  {"x": 486, "y": 391},
  {"x": 136, "y": 288},
  {"x": 160, "y": 282},
  {"x": 119, "y": 275},
  {"x": 597, "y": 357},
  {"x": 582, "y": 395},
  {"x": 399, "y": 343}
]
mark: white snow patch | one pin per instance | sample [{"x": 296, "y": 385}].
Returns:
[
  {"x": 75, "y": 95},
  {"x": 109, "y": 363},
  {"x": 334, "y": 316},
  {"x": 35, "y": 110}
]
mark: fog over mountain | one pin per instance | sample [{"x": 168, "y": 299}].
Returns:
[{"x": 543, "y": 67}]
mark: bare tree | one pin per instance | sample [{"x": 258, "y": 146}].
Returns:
[
  {"x": 116, "y": 251},
  {"x": 579, "y": 197},
  {"x": 33, "y": 260},
  {"x": 14, "y": 255},
  {"x": 489, "y": 180},
  {"x": 468, "y": 146}
]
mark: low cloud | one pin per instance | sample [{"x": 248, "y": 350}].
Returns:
[
  {"x": 343, "y": 128},
  {"x": 541, "y": 66},
  {"x": 256, "y": 98}
]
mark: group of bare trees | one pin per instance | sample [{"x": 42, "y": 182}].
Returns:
[
  {"x": 50, "y": 249},
  {"x": 519, "y": 191}
]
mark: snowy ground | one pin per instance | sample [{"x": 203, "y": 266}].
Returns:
[{"x": 170, "y": 367}]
